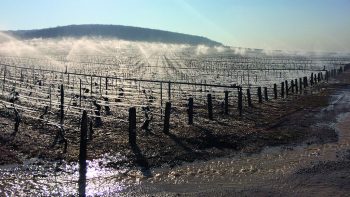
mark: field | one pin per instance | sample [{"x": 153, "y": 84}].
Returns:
[
  {"x": 121, "y": 74},
  {"x": 236, "y": 92}
]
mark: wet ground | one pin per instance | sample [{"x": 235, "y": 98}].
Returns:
[
  {"x": 319, "y": 166},
  {"x": 306, "y": 170}
]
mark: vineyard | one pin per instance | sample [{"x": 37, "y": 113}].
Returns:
[
  {"x": 170, "y": 104},
  {"x": 57, "y": 89}
]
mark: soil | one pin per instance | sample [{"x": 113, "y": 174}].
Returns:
[{"x": 276, "y": 122}]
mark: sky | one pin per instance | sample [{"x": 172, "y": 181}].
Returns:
[{"x": 306, "y": 25}]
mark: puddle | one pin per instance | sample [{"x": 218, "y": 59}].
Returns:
[
  {"x": 45, "y": 178},
  {"x": 267, "y": 169}
]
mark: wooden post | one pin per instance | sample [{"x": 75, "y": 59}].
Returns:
[
  {"x": 292, "y": 85},
  {"x": 282, "y": 90},
  {"x": 91, "y": 85},
  {"x": 4, "y": 80},
  {"x": 82, "y": 154},
  {"x": 190, "y": 111},
  {"x": 50, "y": 97},
  {"x": 22, "y": 76},
  {"x": 210, "y": 107},
  {"x": 106, "y": 85},
  {"x": 62, "y": 78},
  {"x": 101, "y": 85},
  {"x": 33, "y": 75},
  {"x": 15, "y": 77},
  {"x": 249, "y": 98},
  {"x": 240, "y": 102},
  {"x": 301, "y": 84},
  {"x": 259, "y": 95},
  {"x": 312, "y": 79},
  {"x": 319, "y": 77},
  {"x": 266, "y": 94},
  {"x": 169, "y": 91},
  {"x": 287, "y": 88},
  {"x": 296, "y": 86},
  {"x": 161, "y": 100},
  {"x": 80, "y": 93},
  {"x": 62, "y": 106},
  {"x": 167, "y": 117},
  {"x": 305, "y": 82},
  {"x": 132, "y": 126},
  {"x": 226, "y": 102},
  {"x": 315, "y": 79},
  {"x": 275, "y": 91}
]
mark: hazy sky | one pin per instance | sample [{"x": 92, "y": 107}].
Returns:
[{"x": 269, "y": 24}]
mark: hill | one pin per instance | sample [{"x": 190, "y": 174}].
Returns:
[{"x": 114, "y": 31}]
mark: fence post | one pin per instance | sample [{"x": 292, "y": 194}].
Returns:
[
  {"x": 100, "y": 85},
  {"x": 33, "y": 76},
  {"x": 266, "y": 94},
  {"x": 312, "y": 79},
  {"x": 4, "y": 81},
  {"x": 132, "y": 126},
  {"x": 319, "y": 77},
  {"x": 15, "y": 77},
  {"x": 167, "y": 117},
  {"x": 21, "y": 77},
  {"x": 282, "y": 90},
  {"x": 305, "y": 82},
  {"x": 315, "y": 79},
  {"x": 62, "y": 105},
  {"x": 210, "y": 107},
  {"x": 161, "y": 100},
  {"x": 82, "y": 154},
  {"x": 301, "y": 84},
  {"x": 169, "y": 91},
  {"x": 80, "y": 93},
  {"x": 226, "y": 102},
  {"x": 249, "y": 98},
  {"x": 275, "y": 91},
  {"x": 292, "y": 85},
  {"x": 287, "y": 89},
  {"x": 296, "y": 86},
  {"x": 259, "y": 95},
  {"x": 50, "y": 97},
  {"x": 91, "y": 85},
  {"x": 106, "y": 85},
  {"x": 190, "y": 111},
  {"x": 240, "y": 101}
]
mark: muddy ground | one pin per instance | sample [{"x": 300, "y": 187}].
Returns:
[
  {"x": 289, "y": 147},
  {"x": 318, "y": 167},
  {"x": 276, "y": 122}
]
